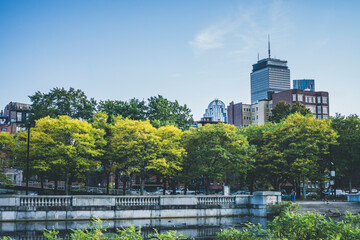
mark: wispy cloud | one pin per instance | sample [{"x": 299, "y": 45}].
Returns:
[
  {"x": 214, "y": 36},
  {"x": 245, "y": 28}
]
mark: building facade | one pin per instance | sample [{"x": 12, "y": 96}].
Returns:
[
  {"x": 217, "y": 111},
  {"x": 14, "y": 117},
  {"x": 269, "y": 76},
  {"x": 261, "y": 112},
  {"x": 239, "y": 114},
  {"x": 316, "y": 102},
  {"x": 304, "y": 84}
]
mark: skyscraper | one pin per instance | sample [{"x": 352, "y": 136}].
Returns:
[
  {"x": 269, "y": 75},
  {"x": 304, "y": 84},
  {"x": 217, "y": 111}
]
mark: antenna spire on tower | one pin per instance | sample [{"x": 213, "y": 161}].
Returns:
[{"x": 269, "y": 45}]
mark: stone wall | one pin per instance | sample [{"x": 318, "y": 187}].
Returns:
[{"x": 44, "y": 208}]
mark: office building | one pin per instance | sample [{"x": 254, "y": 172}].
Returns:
[
  {"x": 243, "y": 115},
  {"x": 239, "y": 114},
  {"x": 269, "y": 76},
  {"x": 317, "y": 102},
  {"x": 304, "y": 84},
  {"x": 260, "y": 112},
  {"x": 217, "y": 111}
]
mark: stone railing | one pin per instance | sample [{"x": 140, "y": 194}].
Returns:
[
  {"x": 137, "y": 201},
  {"x": 16, "y": 208},
  {"x": 215, "y": 200},
  {"x": 45, "y": 201}
]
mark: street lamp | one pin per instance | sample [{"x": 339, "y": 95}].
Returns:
[{"x": 28, "y": 160}]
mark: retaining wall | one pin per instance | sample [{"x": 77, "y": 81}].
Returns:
[{"x": 44, "y": 208}]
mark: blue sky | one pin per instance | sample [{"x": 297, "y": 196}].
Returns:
[{"x": 192, "y": 51}]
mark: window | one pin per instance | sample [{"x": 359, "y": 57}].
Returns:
[
  {"x": 19, "y": 117},
  {"x": 300, "y": 97},
  {"x": 257, "y": 109},
  {"x": 324, "y": 99},
  {"x": 3, "y": 129},
  {"x": 253, "y": 118},
  {"x": 318, "y": 99},
  {"x": 325, "y": 110},
  {"x": 319, "y": 109},
  {"x": 311, "y": 108},
  {"x": 257, "y": 117},
  {"x": 294, "y": 97},
  {"x": 244, "y": 118},
  {"x": 253, "y": 109}
]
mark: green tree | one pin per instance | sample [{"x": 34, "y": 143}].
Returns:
[
  {"x": 290, "y": 150},
  {"x": 63, "y": 147},
  {"x": 217, "y": 150},
  {"x": 7, "y": 144},
  {"x": 133, "y": 109},
  {"x": 136, "y": 145},
  {"x": 282, "y": 110},
  {"x": 59, "y": 101},
  {"x": 170, "y": 156},
  {"x": 167, "y": 112},
  {"x": 346, "y": 155}
]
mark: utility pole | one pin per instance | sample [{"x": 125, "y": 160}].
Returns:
[{"x": 28, "y": 161}]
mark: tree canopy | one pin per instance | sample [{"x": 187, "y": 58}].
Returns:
[
  {"x": 282, "y": 110},
  {"x": 217, "y": 150},
  {"x": 59, "y": 101}
]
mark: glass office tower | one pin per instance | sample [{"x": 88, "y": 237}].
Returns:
[
  {"x": 269, "y": 76},
  {"x": 304, "y": 84},
  {"x": 217, "y": 111}
]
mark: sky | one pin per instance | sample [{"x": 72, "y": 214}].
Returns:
[{"x": 190, "y": 51}]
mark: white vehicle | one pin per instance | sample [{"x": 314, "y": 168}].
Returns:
[
  {"x": 182, "y": 191},
  {"x": 340, "y": 192}
]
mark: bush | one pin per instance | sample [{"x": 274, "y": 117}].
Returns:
[
  {"x": 281, "y": 207},
  {"x": 295, "y": 226},
  {"x": 97, "y": 231}
]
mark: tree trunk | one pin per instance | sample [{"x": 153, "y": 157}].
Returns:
[
  {"x": 185, "y": 189},
  {"x": 207, "y": 185},
  {"x": 56, "y": 186},
  {"x": 67, "y": 181},
  {"x": 142, "y": 184},
  {"x": 42, "y": 184},
  {"x": 116, "y": 180},
  {"x": 350, "y": 185},
  {"x": 164, "y": 186},
  {"x": 304, "y": 188},
  {"x": 107, "y": 183}
]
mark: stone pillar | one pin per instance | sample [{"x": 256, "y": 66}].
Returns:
[{"x": 260, "y": 201}]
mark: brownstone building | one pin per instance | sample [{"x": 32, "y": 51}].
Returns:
[{"x": 316, "y": 102}]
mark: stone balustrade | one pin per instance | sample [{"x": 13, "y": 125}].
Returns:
[
  {"x": 45, "y": 201},
  {"x": 216, "y": 200},
  {"x": 44, "y": 208},
  {"x": 137, "y": 201}
]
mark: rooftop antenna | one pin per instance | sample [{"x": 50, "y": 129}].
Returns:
[
  {"x": 258, "y": 57},
  {"x": 269, "y": 45}
]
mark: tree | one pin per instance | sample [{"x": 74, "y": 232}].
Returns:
[
  {"x": 170, "y": 156},
  {"x": 133, "y": 109},
  {"x": 291, "y": 150},
  {"x": 217, "y": 150},
  {"x": 62, "y": 147},
  {"x": 136, "y": 145},
  {"x": 167, "y": 112},
  {"x": 59, "y": 101},
  {"x": 7, "y": 144},
  {"x": 346, "y": 155},
  {"x": 282, "y": 110}
]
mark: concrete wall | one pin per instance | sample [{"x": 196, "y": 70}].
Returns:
[{"x": 43, "y": 208}]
